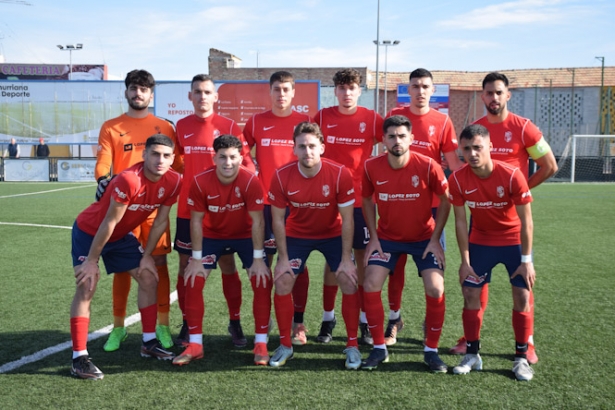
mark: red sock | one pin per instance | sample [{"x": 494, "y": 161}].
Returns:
[
  {"x": 361, "y": 291},
  {"x": 231, "y": 287},
  {"x": 148, "y": 318},
  {"x": 434, "y": 319},
  {"x": 195, "y": 306},
  {"x": 532, "y": 312},
  {"x": 375, "y": 315},
  {"x": 79, "y": 332},
  {"x": 164, "y": 289},
  {"x": 300, "y": 290},
  {"x": 284, "y": 314},
  {"x": 522, "y": 325},
  {"x": 484, "y": 297},
  {"x": 121, "y": 289},
  {"x": 261, "y": 305},
  {"x": 396, "y": 283},
  {"x": 350, "y": 312},
  {"x": 329, "y": 293},
  {"x": 472, "y": 322},
  {"x": 181, "y": 295}
]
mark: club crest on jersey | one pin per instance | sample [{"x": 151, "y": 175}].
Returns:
[
  {"x": 508, "y": 136},
  {"x": 362, "y": 127},
  {"x": 160, "y": 193},
  {"x": 216, "y": 133},
  {"x": 265, "y": 142},
  {"x": 187, "y": 150},
  {"x": 415, "y": 181},
  {"x": 190, "y": 202},
  {"x": 237, "y": 192},
  {"x": 500, "y": 191},
  {"x": 432, "y": 130},
  {"x": 295, "y": 263},
  {"x": 325, "y": 190},
  {"x": 330, "y": 139},
  {"x": 376, "y": 257},
  {"x": 158, "y": 130}
]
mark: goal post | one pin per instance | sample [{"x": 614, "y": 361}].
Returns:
[{"x": 587, "y": 158}]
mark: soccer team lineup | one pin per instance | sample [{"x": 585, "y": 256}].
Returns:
[{"x": 288, "y": 184}]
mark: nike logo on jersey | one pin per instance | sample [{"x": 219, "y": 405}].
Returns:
[
  {"x": 188, "y": 135},
  {"x": 268, "y": 128},
  {"x": 381, "y": 182},
  {"x": 212, "y": 197},
  {"x": 469, "y": 192},
  {"x": 123, "y": 133},
  {"x": 294, "y": 192},
  {"x": 331, "y": 125},
  {"x": 141, "y": 194}
]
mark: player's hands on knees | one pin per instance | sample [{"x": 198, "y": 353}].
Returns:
[
  {"x": 147, "y": 264},
  {"x": 260, "y": 270},
  {"x": 88, "y": 271},
  {"x": 103, "y": 183},
  {"x": 372, "y": 246},
  {"x": 348, "y": 269},
  {"x": 282, "y": 267},
  {"x": 465, "y": 271},
  {"x": 527, "y": 272},
  {"x": 435, "y": 247},
  {"x": 195, "y": 268}
]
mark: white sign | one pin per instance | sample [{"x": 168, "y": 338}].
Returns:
[
  {"x": 76, "y": 170},
  {"x": 26, "y": 170}
]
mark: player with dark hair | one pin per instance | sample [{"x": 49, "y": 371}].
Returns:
[
  {"x": 402, "y": 183},
  {"x": 320, "y": 195},
  {"x": 498, "y": 198},
  {"x": 515, "y": 139},
  {"x": 104, "y": 230},
  {"x": 271, "y": 134},
  {"x": 226, "y": 203},
  {"x": 120, "y": 145},
  {"x": 350, "y": 132},
  {"x": 434, "y": 136},
  {"x": 196, "y": 135}
]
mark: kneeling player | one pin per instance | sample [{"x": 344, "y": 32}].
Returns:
[
  {"x": 499, "y": 199},
  {"x": 104, "y": 229},
  {"x": 226, "y": 206}
]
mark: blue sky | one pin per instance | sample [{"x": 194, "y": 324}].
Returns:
[{"x": 172, "y": 39}]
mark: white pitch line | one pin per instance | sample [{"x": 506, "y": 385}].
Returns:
[
  {"x": 45, "y": 192},
  {"x": 36, "y": 225},
  {"x": 41, "y": 354}
]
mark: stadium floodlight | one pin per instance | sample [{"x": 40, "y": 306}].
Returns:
[
  {"x": 70, "y": 48},
  {"x": 386, "y": 44}
]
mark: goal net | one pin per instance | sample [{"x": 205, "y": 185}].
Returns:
[{"x": 587, "y": 158}]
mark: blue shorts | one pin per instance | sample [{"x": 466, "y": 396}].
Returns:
[
  {"x": 392, "y": 251},
  {"x": 361, "y": 234},
  {"x": 300, "y": 249},
  {"x": 484, "y": 258},
  {"x": 214, "y": 248},
  {"x": 270, "y": 246},
  {"x": 183, "y": 243},
  {"x": 118, "y": 256}
]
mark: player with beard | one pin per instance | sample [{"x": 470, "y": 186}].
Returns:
[{"x": 120, "y": 145}]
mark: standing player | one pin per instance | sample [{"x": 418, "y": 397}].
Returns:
[
  {"x": 498, "y": 197},
  {"x": 515, "y": 139},
  {"x": 226, "y": 203},
  {"x": 120, "y": 145},
  {"x": 434, "y": 136},
  {"x": 403, "y": 184},
  {"x": 196, "y": 134},
  {"x": 350, "y": 133},
  {"x": 320, "y": 195},
  {"x": 104, "y": 229},
  {"x": 271, "y": 133}
]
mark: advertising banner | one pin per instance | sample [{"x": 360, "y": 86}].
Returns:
[
  {"x": 438, "y": 101},
  {"x": 76, "y": 170},
  {"x": 237, "y": 100},
  {"x": 13, "y": 71},
  {"x": 26, "y": 170}
]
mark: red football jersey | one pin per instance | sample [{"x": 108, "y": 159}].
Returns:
[
  {"x": 314, "y": 201},
  {"x": 142, "y": 196},
  {"x": 350, "y": 139},
  {"x": 195, "y": 137},
  {"x": 511, "y": 138},
  {"x": 273, "y": 138},
  {"x": 404, "y": 196},
  {"x": 226, "y": 207},
  {"x": 492, "y": 202}
]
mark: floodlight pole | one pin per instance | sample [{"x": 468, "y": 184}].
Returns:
[
  {"x": 377, "y": 42},
  {"x": 70, "y": 48},
  {"x": 386, "y": 44}
]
